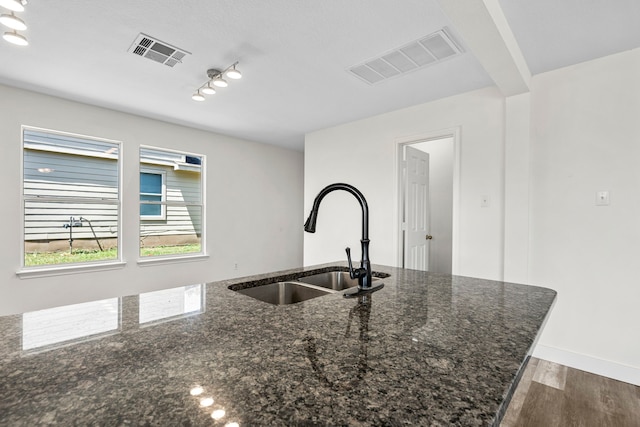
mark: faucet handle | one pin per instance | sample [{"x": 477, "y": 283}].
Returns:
[{"x": 358, "y": 272}]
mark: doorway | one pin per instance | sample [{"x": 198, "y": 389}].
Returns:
[{"x": 427, "y": 202}]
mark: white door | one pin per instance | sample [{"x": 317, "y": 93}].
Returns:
[{"x": 416, "y": 198}]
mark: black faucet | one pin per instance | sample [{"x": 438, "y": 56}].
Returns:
[{"x": 363, "y": 274}]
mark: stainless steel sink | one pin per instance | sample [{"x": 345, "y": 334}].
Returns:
[
  {"x": 302, "y": 288},
  {"x": 336, "y": 280},
  {"x": 282, "y": 293}
]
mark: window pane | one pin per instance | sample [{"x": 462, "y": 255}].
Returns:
[
  {"x": 35, "y": 139},
  {"x": 180, "y": 233},
  {"x": 151, "y": 189},
  {"x": 151, "y": 210},
  {"x": 150, "y": 183},
  {"x": 58, "y": 174},
  {"x": 173, "y": 225},
  {"x": 49, "y": 227},
  {"x": 71, "y": 193}
]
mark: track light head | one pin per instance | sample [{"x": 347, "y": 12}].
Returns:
[
  {"x": 220, "y": 82},
  {"x": 14, "y": 5},
  {"x": 233, "y": 73},
  {"x": 197, "y": 96},
  {"x": 15, "y": 38},
  {"x": 208, "y": 89},
  {"x": 13, "y": 22}
]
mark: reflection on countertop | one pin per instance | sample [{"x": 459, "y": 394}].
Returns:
[
  {"x": 426, "y": 349},
  {"x": 47, "y": 329}
]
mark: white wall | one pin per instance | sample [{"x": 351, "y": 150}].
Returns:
[
  {"x": 586, "y": 138},
  {"x": 253, "y": 193},
  {"x": 363, "y": 153},
  {"x": 517, "y": 177},
  {"x": 440, "y": 202}
]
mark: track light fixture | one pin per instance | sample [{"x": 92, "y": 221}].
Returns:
[
  {"x": 12, "y": 21},
  {"x": 216, "y": 78}
]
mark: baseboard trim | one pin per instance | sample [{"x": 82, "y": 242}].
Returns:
[{"x": 606, "y": 368}]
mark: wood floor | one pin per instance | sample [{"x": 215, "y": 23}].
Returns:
[{"x": 551, "y": 395}]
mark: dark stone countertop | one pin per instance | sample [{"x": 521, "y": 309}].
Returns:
[{"x": 427, "y": 349}]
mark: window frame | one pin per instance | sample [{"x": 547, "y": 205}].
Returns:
[
  {"x": 67, "y": 268},
  {"x": 163, "y": 195}
]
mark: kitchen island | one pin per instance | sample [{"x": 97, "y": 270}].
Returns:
[{"x": 427, "y": 349}]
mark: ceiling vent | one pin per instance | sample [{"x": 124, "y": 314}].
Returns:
[
  {"x": 410, "y": 57},
  {"x": 148, "y": 47}
]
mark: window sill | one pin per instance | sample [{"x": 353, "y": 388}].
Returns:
[
  {"x": 170, "y": 259},
  {"x": 28, "y": 273}
]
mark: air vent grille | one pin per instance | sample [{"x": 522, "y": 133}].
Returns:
[
  {"x": 156, "y": 50},
  {"x": 420, "y": 53}
]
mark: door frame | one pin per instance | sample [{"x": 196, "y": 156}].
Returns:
[{"x": 430, "y": 136}]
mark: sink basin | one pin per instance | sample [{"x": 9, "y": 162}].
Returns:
[
  {"x": 335, "y": 280},
  {"x": 293, "y": 289},
  {"x": 282, "y": 293}
]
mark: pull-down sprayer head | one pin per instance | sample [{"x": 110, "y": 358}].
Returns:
[{"x": 310, "y": 224}]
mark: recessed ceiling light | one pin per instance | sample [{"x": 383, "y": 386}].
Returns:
[
  {"x": 13, "y": 22},
  {"x": 15, "y": 38},
  {"x": 15, "y": 5}
]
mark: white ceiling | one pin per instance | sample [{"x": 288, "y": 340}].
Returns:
[{"x": 294, "y": 56}]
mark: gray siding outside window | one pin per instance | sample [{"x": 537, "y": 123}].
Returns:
[
  {"x": 59, "y": 175},
  {"x": 181, "y": 187}
]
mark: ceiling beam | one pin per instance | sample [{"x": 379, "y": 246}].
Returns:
[{"x": 484, "y": 28}]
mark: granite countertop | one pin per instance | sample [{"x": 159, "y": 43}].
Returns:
[{"x": 427, "y": 349}]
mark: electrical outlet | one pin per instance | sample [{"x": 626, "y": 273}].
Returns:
[
  {"x": 602, "y": 198},
  {"x": 235, "y": 266}
]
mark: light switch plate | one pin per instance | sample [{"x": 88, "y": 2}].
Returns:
[
  {"x": 602, "y": 198},
  {"x": 484, "y": 201}
]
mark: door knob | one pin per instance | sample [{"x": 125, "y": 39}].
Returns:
[{"x": 429, "y": 237}]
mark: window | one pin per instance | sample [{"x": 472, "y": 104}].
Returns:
[
  {"x": 152, "y": 188},
  {"x": 171, "y": 202},
  {"x": 71, "y": 198}
]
